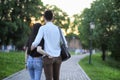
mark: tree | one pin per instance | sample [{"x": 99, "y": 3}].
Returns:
[
  {"x": 107, "y": 18},
  {"x": 105, "y": 15},
  {"x": 15, "y": 17},
  {"x": 82, "y": 21}
]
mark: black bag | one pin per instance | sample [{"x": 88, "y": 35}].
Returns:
[{"x": 65, "y": 55}]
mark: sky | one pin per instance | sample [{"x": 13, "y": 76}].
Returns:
[{"x": 71, "y": 7}]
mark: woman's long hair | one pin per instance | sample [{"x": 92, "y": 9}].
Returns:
[{"x": 33, "y": 34}]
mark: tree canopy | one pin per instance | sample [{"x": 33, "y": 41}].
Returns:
[
  {"x": 105, "y": 15},
  {"x": 15, "y": 19}
]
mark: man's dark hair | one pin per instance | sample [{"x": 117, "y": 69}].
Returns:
[{"x": 48, "y": 15}]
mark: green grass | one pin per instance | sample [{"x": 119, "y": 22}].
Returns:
[
  {"x": 101, "y": 70},
  {"x": 10, "y": 63}
]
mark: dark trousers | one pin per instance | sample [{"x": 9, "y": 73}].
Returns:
[{"x": 52, "y": 67}]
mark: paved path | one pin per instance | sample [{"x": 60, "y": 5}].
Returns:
[{"x": 70, "y": 70}]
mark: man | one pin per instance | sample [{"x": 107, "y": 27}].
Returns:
[{"x": 51, "y": 35}]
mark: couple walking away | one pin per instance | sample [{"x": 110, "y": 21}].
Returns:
[{"x": 48, "y": 37}]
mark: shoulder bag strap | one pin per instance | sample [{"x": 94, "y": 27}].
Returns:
[{"x": 61, "y": 36}]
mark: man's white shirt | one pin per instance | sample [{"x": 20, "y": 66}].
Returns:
[{"x": 51, "y": 35}]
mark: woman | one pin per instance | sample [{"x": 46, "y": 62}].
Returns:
[{"x": 34, "y": 61}]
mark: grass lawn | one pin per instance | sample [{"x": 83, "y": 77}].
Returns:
[
  {"x": 10, "y": 63},
  {"x": 100, "y": 70}
]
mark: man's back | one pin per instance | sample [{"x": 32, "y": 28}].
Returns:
[{"x": 52, "y": 39}]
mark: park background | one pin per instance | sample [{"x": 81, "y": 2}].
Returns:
[{"x": 17, "y": 18}]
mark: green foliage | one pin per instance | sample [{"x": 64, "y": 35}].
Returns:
[
  {"x": 15, "y": 18},
  {"x": 105, "y": 15},
  {"x": 100, "y": 70},
  {"x": 10, "y": 63},
  {"x": 82, "y": 22},
  {"x": 7, "y": 30},
  {"x": 107, "y": 26}
]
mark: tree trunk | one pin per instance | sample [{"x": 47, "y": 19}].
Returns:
[{"x": 104, "y": 47}]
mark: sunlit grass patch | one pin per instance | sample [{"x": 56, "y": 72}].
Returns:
[
  {"x": 101, "y": 70},
  {"x": 10, "y": 63}
]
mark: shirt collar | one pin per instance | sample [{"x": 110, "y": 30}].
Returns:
[{"x": 49, "y": 23}]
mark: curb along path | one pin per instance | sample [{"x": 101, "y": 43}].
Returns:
[{"x": 70, "y": 70}]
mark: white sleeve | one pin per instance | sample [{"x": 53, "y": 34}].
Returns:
[{"x": 38, "y": 37}]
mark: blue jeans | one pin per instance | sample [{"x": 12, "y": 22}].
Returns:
[{"x": 34, "y": 66}]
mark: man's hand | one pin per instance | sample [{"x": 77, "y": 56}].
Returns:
[{"x": 32, "y": 47}]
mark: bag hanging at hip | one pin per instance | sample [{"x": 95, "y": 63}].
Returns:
[{"x": 65, "y": 55}]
